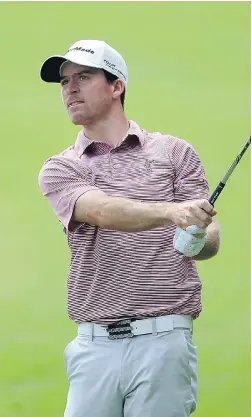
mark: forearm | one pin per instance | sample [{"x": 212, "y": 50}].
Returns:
[
  {"x": 108, "y": 212},
  {"x": 134, "y": 216},
  {"x": 212, "y": 244},
  {"x": 98, "y": 209}
]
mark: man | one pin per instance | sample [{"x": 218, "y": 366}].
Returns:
[{"x": 134, "y": 206}]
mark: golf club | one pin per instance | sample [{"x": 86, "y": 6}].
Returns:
[{"x": 223, "y": 181}]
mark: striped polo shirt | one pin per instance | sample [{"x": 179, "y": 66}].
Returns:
[{"x": 115, "y": 275}]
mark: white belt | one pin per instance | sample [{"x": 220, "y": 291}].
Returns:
[{"x": 146, "y": 326}]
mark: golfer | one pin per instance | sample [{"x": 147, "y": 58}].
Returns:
[{"x": 135, "y": 211}]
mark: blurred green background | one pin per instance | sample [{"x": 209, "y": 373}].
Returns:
[{"x": 189, "y": 67}]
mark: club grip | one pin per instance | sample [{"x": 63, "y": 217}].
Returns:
[{"x": 216, "y": 193}]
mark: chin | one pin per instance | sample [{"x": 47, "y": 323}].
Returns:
[
  {"x": 77, "y": 119},
  {"x": 77, "y": 122}
]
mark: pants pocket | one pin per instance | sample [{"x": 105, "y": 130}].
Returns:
[
  {"x": 67, "y": 353},
  {"x": 73, "y": 353}
]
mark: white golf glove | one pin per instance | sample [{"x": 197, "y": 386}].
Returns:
[{"x": 186, "y": 243}]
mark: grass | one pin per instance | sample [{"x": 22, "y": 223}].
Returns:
[{"x": 189, "y": 66}]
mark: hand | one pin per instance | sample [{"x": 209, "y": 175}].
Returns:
[
  {"x": 194, "y": 212},
  {"x": 189, "y": 242}
]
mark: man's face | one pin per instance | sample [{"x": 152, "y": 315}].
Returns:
[{"x": 86, "y": 93}]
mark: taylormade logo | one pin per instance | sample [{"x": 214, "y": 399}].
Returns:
[{"x": 79, "y": 48}]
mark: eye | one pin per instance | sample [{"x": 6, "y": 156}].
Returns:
[
  {"x": 83, "y": 77},
  {"x": 63, "y": 82}
]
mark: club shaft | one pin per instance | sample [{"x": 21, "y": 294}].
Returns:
[{"x": 223, "y": 181}]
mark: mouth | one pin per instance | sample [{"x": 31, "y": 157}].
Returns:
[{"x": 75, "y": 104}]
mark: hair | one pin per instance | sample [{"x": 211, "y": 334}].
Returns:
[{"x": 110, "y": 79}]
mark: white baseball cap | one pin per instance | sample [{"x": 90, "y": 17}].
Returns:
[{"x": 92, "y": 53}]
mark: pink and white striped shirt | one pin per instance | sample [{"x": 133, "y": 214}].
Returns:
[{"x": 116, "y": 275}]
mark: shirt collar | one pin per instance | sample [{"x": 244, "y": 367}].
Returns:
[{"x": 82, "y": 142}]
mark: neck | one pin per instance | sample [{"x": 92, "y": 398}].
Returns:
[{"x": 111, "y": 129}]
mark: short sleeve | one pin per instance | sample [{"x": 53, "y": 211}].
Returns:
[
  {"x": 62, "y": 181},
  {"x": 190, "y": 179}
]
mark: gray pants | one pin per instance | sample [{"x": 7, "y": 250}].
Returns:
[{"x": 149, "y": 375}]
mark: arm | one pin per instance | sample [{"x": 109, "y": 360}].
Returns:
[
  {"x": 123, "y": 214},
  {"x": 71, "y": 192},
  {"x": 191, "y": 182},
  {"x": 212, "y": 244}
]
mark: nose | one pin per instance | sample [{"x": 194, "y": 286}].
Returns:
[{"x": 72, "y": 86}]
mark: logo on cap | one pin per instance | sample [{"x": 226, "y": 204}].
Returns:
[
  {"x": 109, "y": 64},
  {"x": 113, "y": 66},
  {"x": 79, "y": 48}
]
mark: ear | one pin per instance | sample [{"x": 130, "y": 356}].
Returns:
[{"x": 118, "y": 88}]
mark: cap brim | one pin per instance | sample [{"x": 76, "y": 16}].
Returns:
[{"x": 50, "y": 70}]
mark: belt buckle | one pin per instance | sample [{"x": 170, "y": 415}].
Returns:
[{"x": 120, "y": 330}]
